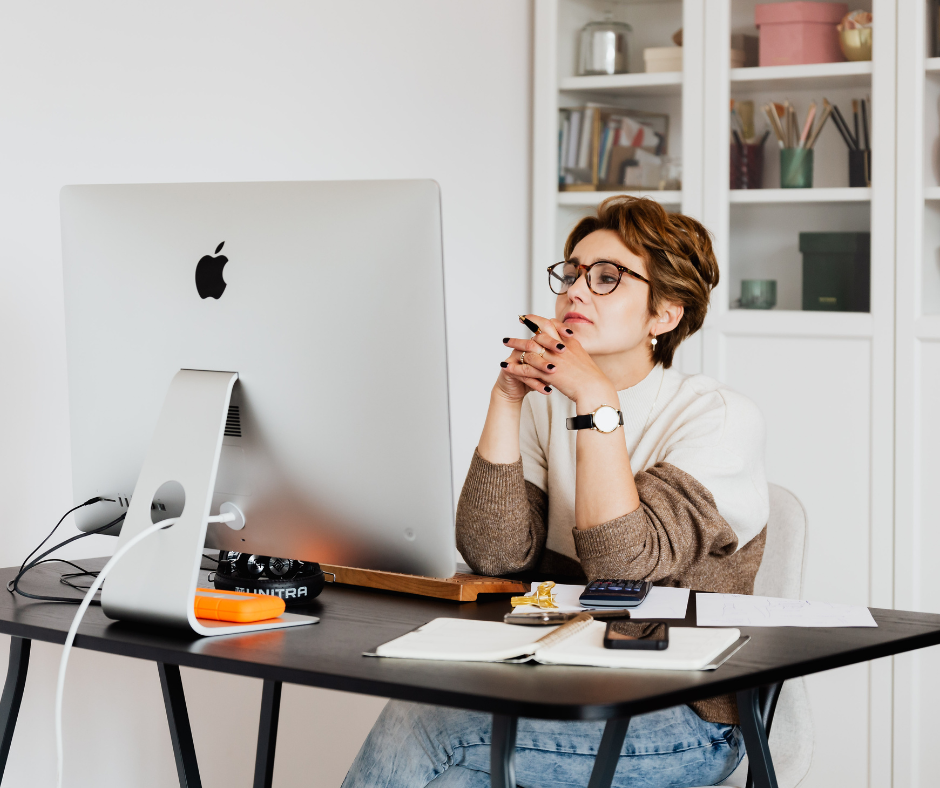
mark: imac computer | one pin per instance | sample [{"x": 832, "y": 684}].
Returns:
[{"x": 273, "y": 349}]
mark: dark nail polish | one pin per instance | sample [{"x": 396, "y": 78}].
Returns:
[
  {"x": 569, "y": 330},
  {"x": 548, "y": 389},
  {"x": 505, "y": 340},
  {"x": 551, "y": 366},
  {"x": 503, "y": 364},
  {"x": 560, "y": 346}
]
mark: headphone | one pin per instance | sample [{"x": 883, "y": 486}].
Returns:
[{"x": 296, "y": 582}]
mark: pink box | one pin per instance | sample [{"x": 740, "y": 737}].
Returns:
[{"x": 802, "y": 32}]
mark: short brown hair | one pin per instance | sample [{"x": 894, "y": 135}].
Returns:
[{"x": 679, "y": 258}]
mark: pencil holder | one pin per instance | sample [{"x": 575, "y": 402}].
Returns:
[
  {"x": 796, "y": 168},
  {"x": 859, "y": 168},
  {"x": 747, "y": 166}
]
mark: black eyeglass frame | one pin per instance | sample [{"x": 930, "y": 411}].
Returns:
[{"x": 622, "y": 269}]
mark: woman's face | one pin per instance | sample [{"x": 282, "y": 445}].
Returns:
[{"x": 615, "y": 323}]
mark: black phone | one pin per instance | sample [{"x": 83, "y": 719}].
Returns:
[{"x": 653, "y": 635}]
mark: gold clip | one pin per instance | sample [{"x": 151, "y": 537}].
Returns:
[{"x": 544, "y": 598}]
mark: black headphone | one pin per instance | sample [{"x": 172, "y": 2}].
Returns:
[{"x": 296, "y": 582}]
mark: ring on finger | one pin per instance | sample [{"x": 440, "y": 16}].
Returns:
[{"x": 522, "y": 357}]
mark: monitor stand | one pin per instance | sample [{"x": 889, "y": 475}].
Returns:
[{"x": 155, "y": 582}]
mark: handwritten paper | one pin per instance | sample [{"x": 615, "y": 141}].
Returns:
[
  {"x": 738, "y": 610},
  {"x": 661, "y": 602}
]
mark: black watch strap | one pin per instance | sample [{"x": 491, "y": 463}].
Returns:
[{"x": 586, "y": 421}]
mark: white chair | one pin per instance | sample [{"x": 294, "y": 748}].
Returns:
[{"x": 781, "y": 575}]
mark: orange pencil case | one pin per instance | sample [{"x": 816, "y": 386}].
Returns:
[{"x": 236, "y": 606}]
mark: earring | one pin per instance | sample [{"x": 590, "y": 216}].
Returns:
[{"x": 653, "y": 341}]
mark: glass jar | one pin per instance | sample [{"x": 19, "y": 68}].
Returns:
[{"x": 603, "y": 47}]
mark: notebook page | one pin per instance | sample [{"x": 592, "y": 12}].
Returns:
[
  {"x": 689, "y": 649},
  {"x": 465, "y": 640},
  {"x": 717, "y": 610}
]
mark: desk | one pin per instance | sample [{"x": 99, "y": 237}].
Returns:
[{"x": 353, "y": 620}]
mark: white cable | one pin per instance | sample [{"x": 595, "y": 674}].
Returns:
[{"x": 70, "y": 637}]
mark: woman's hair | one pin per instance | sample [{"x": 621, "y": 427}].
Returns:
[{"x": 679, "y": 258}]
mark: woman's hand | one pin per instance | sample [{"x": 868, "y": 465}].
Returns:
[
  {"x": 514, "y": 387},
  {"x": 554, "y": 359}
]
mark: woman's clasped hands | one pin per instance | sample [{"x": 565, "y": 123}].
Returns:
[{"x": 552, "y": 359}]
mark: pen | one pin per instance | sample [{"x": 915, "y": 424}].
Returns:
[
  {"x": 529, "y": 324},
  {"x": 865, "y": 124},
  {"x": 858, "y": 139},
  {"x": 843, "y": 127}
]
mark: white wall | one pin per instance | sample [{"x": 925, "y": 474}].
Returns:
[{"x": 110, "y": 92}]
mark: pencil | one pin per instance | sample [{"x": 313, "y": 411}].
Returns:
[
  {"x": 827, "y": 111},
  {"x": 808, "y": 125},
  {"x": 774, "y": 121}
]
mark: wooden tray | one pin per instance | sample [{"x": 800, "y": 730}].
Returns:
[{"x": 461, "y": 587}]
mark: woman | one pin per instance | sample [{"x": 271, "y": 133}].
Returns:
[{"x": 670, "y": 489}]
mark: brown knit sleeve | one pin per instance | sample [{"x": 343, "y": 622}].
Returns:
[
  {"x": 676, "y": 537},
  {"x": 500, "y": 518}
]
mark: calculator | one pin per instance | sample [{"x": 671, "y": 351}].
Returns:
[{"x": 615, "y": 593}]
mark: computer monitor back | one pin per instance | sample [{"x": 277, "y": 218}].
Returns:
[{"x": 327, "y": 299}]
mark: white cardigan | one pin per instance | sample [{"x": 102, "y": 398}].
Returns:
[{"x": 690, "y": 421}]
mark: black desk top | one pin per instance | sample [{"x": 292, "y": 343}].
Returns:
[{"x": 353, "y": 620}]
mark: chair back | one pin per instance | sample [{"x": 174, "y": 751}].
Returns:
[
  {"x": 781, "y": 570},
  {"x": 781, "y": 575}
]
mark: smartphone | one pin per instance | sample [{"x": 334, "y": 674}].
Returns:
[{"x": 652, "y": 635}]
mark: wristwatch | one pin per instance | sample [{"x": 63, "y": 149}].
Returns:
[{"x": 604, "y": 419}]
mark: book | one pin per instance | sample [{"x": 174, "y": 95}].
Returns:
[
  {"x": 564, "y": 133},
  {"x": 577, "y": 642},
  {"x": 584, "y": 143},
  {"x": 574, "y": 135}
]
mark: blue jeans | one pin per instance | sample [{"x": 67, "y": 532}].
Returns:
[{"x": 412, "y": 746}]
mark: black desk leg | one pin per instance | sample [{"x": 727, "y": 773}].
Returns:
[
  {"x": 180, "y": 733},
  {"x": 267, "y": 734},
  {"x": 12, "y": 695},
  {"x": 608, "y": 754},
  {"x": 754, "y": 726},
  {"x": 502, "y": 772}
]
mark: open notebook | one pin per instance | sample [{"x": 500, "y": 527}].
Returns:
[{"x": 578, "y": 642}]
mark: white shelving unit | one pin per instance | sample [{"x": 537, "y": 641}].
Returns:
[
  {"x": 591, "y": 199},
  {"x": 844, "y": 194},
  {"x": 917, "y": 352},
  {"x": 828, "y": 75},
  {"x": 664, "y": 84},
  {"x": 825, "y": 381}
]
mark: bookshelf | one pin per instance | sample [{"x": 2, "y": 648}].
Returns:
[
  {"x": 917, "y": 354},
  {"x": 667, "y": 83},
  {"x": 822, "y": 379}
]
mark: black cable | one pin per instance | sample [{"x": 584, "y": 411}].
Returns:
[
  {"x": 66, "y": 577},
  {"x": 89, "y": 502},
  {"x": 13, "y": 585}
]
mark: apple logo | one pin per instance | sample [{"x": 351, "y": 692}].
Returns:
[{"x": 209, "y": 281}]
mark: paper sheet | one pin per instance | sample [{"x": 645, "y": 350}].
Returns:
[
  {"x": 737, "y": 610},
  {"x": 661, "y": 602}
]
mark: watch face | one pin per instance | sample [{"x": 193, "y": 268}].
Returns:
[{"x": 606, "y": 419}]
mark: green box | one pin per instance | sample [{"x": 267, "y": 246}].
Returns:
[{"x": 836, "y": 271}]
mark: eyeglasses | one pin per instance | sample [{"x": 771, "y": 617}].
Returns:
[{"x": 602, "y": 277}]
